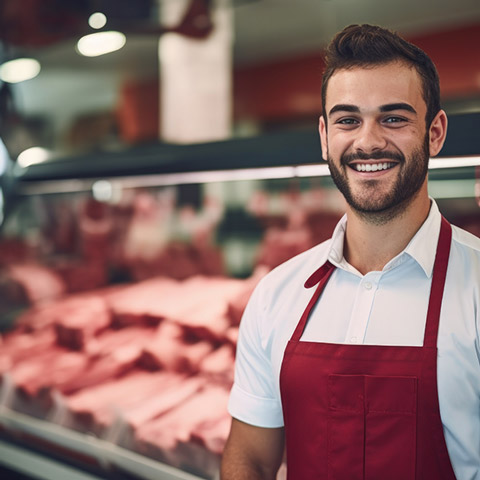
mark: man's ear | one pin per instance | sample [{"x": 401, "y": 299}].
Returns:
[
  {"x": 322, "y": 129},
  {"x": 437, "y": 133}
]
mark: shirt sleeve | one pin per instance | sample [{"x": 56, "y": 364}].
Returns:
[{"x": 254, "y": 397}]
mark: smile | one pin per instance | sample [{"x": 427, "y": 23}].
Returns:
[{"x": 372, "y": 167}]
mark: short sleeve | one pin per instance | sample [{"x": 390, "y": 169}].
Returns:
[{"x": 254, "y": 398}]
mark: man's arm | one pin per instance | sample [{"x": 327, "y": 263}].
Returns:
[{"x": 252, "y": 453}]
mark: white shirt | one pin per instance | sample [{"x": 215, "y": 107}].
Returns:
[{"x": 379, "y": 308}]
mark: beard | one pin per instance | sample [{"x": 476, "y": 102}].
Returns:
[{"x": 372, "y": 204}]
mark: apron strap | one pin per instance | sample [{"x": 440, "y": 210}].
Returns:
[
  {"x": 438, "y": 284},
  {"x": 321, "y": 277}
]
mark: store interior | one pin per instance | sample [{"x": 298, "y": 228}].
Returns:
[{"x": 145, "y": 192}]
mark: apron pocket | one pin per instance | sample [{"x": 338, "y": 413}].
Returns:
[
  {"x": 371, "y": 427},
  {"x": 390, "y": 427},
  {"x": 346, "y": 427}
]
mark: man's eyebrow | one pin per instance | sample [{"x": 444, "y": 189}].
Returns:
[
  {"x": 343, "y": 107},
  {"x": 390, "y": 107}
]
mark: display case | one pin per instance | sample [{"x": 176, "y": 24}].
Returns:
[{"x": 123, "y": 279}]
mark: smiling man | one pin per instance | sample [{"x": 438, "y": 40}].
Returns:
[
  {"x": 388, "y": 144},
  {"x": 361, "y": 355}
]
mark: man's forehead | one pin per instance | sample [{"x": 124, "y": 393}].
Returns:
[{"x": 394, "y": 82}]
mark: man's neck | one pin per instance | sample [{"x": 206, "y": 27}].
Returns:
[{"x": 370, "y": 245}]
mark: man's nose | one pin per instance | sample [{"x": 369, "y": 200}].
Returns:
[{"x": 370, "y": 137}]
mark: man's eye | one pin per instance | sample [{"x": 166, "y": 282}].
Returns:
[
  {"x": 347, "y": 121},
  {"x": 394, "y": 120}
]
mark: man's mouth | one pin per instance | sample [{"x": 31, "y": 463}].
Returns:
[{"x": 372, "y": 167}]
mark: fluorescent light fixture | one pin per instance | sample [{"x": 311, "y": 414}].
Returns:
[
  {"x": 207, "y": 177},
  {"x": 97, "y": 20},
  {"x": 100, "y": 43},
  {"x": 19, "y": 70},
  {"x": 321, "y": 170},
  {"x": 454, "y": 162},
  {"x": 33, "y": 155}
]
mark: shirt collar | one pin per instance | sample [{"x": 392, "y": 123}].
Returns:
[
  {"x": 422, "y": 247},
  {"x": 335, "y": 255}
]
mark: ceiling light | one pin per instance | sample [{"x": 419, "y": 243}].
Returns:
[
  {"x": 33, "y": 155},
  {"x": 19, "y": 70},
  {"x": 100, "y": 43},
  {"x": 102, "y": 190},
  {"x": 97, "y": 20}
]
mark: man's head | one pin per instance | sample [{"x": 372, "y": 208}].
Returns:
[
  {"x": 381, "y": 121},
  {"x": 369, "y": 46}
]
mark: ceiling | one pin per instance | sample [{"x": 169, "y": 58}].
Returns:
[
  {"x": 263, "y": 29},
  {"x": 271, "y": 28}
]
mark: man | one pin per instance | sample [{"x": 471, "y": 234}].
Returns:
[{"x": 353, "y": 380}]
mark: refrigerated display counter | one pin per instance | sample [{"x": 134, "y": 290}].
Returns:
[{"x": 123, "y": 279}]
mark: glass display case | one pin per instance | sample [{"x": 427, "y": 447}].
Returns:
[{"x": 123, "y": 278}]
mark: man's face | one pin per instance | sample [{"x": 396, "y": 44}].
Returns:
[{"x": 376, "y": 141}]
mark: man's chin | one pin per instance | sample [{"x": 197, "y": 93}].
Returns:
[
  {"x": 371, "y": 201},
  {"x": 381, "y": 211}
]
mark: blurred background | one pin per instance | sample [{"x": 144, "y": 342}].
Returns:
[
  {"x": 157, "y": 158},
  {"x": 80, "y": 103}
]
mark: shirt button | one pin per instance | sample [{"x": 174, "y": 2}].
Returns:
[
  {"x": 368, "y": 285},
  {"x": 353, "y": 340}
]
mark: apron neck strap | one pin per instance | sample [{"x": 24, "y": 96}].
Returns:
[
  {"x": 321, "y": 277},
  {"x": 438, "y": 284}
]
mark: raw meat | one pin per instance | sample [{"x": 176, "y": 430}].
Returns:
[
  {"x": 14, "y": 250},
  {"x": 81, "y": 275},
  {"x": 168, "y": 437},
  {"x": 219, "y": 365},
  {"x": 212, "y": 434},
  {"x": 111, "y": 354},
  {"x": 18, "y": 346},
  {"x": 79, "y": 321},
  {"x": 142, "y": 303},
  {"x": 237, "y": 305},
  {"x": 94, "y": 409},
  {"x": 137, "y": 414},
  {"x": 168, "y": 350},
  {"x": 39, "y": 370},
  {"x": 31, "y": 283},
  {"x": 203, "y": 311},
  {"x": 231, "y": 336}
]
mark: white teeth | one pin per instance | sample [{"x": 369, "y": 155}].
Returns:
[{"x": 372, "y": 167}]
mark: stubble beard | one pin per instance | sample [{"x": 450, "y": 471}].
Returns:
[{"x": 380, "y": 209}]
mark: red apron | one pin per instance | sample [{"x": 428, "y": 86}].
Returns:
[{"x": 365, "y": 412}]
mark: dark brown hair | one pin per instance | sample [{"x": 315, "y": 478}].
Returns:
[{"x": 369, "y": 45}]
